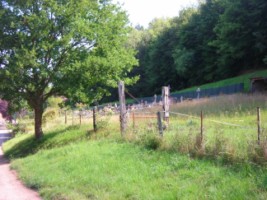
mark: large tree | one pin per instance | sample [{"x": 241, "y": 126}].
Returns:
[
  {"x": 74, "y": 48},
  {"x": 242, "y": 36}
]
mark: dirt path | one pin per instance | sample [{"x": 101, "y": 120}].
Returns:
[{"x": 10, "y": 187}]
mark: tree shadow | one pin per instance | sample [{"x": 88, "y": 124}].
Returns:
[{"x": 31, "y": 146}]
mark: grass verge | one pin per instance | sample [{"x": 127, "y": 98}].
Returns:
[
  {"x": 112, "y": 170},
  {"x": 71, "y": 162}
]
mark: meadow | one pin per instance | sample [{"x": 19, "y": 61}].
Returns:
[
  {"x": 230, "y": 128},
  {"x": 74, "y": 162}
]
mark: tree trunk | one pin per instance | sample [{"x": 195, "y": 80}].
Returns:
[{"x": 38, "y": 114}]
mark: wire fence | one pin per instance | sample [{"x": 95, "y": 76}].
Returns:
[
  {"x": 231, "y": 136},
  {"x": 217, "y": 134}
]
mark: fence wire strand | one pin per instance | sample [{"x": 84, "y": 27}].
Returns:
[{"x": 215, "y": 121}]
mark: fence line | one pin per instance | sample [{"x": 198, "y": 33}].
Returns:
[
  {"x": 230, "y": 124},
  {"x": 162, "y": 126},
  {"x": 182, "y": 114},
  {"x": 215, "y": 121}
]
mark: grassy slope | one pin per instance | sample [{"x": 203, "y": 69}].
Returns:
[
  {"x": 231, "y": 81},
  {"x": 69, "y": 164},
  {"x": 239, "y": 79}
]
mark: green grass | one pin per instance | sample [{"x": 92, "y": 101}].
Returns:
[
  {"x": 239, "y": 79},
  {"x": 72, "y": 162},
  {"x": 229, "y": 129},
  {"x": 25, "y": 144},
  {"x": 112, "y": 170}
]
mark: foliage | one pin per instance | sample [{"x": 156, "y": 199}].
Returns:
[
  {"x": 71, "y": 48},
  {"x": 17, "y": 128},
  {"x": 241, "y": 36},
  {"x": 219, "y": 39},
  {"x": 50, "y": 114},
  {"x": 145, "y": 41},
  {"x": 55, "y": 102}
]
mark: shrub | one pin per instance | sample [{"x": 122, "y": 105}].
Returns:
[
  {"x": 17, "y": 128},
  {"x": 149, "y": 140},
  {"x": 50, "y": 114}
]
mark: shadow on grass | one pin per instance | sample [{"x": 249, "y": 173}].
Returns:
[{"x": 30, "y": 145}]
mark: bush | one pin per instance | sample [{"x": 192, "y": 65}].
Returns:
[
  {"x": 149, "y": 140},
  {"x": 50, "y": 114},
  {"x": 17, "y": 128}
]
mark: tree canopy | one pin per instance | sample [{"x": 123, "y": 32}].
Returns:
[
  {"x": 74, "y": 48},
  {"x": 215, "y": 40}
]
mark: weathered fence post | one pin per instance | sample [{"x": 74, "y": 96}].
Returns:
[
  {"x": 133, "y": 116},
  {"x": 66, "y": 117},
  {"x": 259, "y": 124},
  {"x": 80, "y": 114},
  {"x": 94, "y": 119},
  {"x": 201, "y": 126},
  {"x": 165, "y": 101},
  {"x": 160, "y": 124},
  {"x": 72, "y": 113},
  {"x": 123, "y": 111}
]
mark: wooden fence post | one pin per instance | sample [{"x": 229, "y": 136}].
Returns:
[
  {"x": 259, "y": 124},
  {"x": 133, "y": 116},
  {"x": 94, "y": 119},
  {"x": 80, "y": 113},
  {"x": 160, "y": 124},
  {"x": 201, "y": 126},
  {"x": 66, "y": 117},
  {"x": 166, "y": 105},
  {"x": 72, "y": 113},
  {"x": 123, "y": 111}
]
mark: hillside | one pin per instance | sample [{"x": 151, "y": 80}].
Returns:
[
  {"x": 245, "y": 79},
  {"x": 104, "y": 168},
  {"x": 72, "y": 162}
]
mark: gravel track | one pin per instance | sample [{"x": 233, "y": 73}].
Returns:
[{"x": 11, "y": 187}]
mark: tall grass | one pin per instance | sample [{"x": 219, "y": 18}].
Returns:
[
  {"x": 230, "y": 129},
  {"x": 227, "y": 105}
]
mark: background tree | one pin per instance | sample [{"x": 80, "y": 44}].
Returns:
[
  {"x": 160, "y": 69},
  {"x": 74, "y": 48},
  {"x": 216, "y": 40},
  {"x": 145, "y": 42},
  {"x": 242, "y": 36},
  {"x": 195, "y": 57}
]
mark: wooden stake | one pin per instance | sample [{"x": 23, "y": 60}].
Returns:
[
  {"x": 80, "y": 117},
  {"x": 259, "y": 124},
  {"x": 165, "y": 101},
  {"x": 72, "y": 117},
  {"x": 123, "y": 111},
  {"x": 94, "y": 119},
  {"x": 201, "y": 126},
  {"x": 133, "y": 116},
  {"x": 160, "y": 124},
  {"x": 66, "y": 117}
]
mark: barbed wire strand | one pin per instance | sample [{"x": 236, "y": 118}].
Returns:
[
  {"x": 215, "y": 121},
  {"x": 131, "y": 95}
]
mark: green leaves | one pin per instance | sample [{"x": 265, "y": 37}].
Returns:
[
  {"x": 55, "y": 43},
  {"x": 74, "y": 48},
  {"x": 218, "y": 39}
]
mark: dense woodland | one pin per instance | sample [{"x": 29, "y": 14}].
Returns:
[{"x": 216, "y": 40}]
